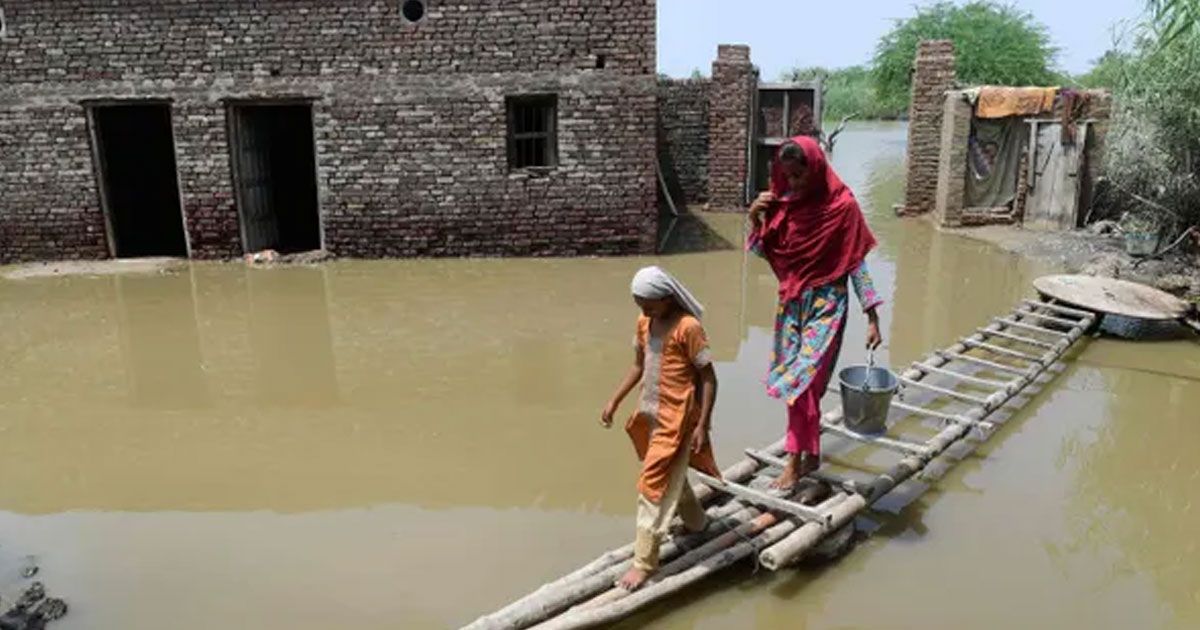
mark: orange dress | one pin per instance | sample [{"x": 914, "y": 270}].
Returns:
[{"x": 668, "y": 409}]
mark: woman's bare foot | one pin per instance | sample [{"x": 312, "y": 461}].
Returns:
[{"x": 633, "y": 579}]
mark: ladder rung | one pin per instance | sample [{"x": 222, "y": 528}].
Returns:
[
  {"x": 907, "y": 448},
  {"x": 835, "y": 481},
  {"x": 943, "y": 391},
  {"x": 1009, "y": 323},
  {"x": 1060, "y": 309},
  {"x": 1016, "y": 338},
  {"x": 966, "y": 358},
  {"x": 941, "y": 415},
  {"x": 761, "y": 498},
  {"x": 1003, "y": 351},
  {"x": 966, "y": 378},
  {"x": 1047, "y": 318}
]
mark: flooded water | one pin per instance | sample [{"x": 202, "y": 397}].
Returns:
[{"x": 412, "y": 444}]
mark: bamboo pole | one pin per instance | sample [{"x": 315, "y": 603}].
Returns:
[
  {"x": 700, "y": 563},
  {"x": 559, "y": 594},
  {"x": 966, "y": 378},
  {"x": 1008, "y": 352},
  {"x": 1069, "y": 323},
  {"x": 796, "y": 544},
  {"x": 1019, "y": 339},
  {"x": 975, "y": 400},
  {"x": 883, "y": 441},
  {"x": 1012, "y": 323},
  {"x": 991, "y": 365}
]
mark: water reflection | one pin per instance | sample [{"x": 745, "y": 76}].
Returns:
[
  {"x": 290, "y": 337},
  {"x": 160, "y": 343}
]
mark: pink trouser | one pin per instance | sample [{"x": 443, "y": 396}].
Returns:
[{"x": 804, "y": 414}]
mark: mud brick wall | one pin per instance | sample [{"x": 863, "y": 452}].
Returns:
[
  {"x": 734, "y": 81},
  {"x": 952, "y": 159},
  {"x": 683, "y": 123},
  {"x": 933, "y": 76},
  {"x": 409, "y": 119}
]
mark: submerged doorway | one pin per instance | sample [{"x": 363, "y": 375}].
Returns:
[
  {"x": 275, "y": 175},
  {"x": 137, "y": 178}
]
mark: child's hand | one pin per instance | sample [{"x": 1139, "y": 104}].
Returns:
[
  {"x": 699, "y": 440},
  {"x": 606, "y": 416}
]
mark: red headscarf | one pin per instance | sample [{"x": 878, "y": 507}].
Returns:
[{"x": 818, "y": 236}]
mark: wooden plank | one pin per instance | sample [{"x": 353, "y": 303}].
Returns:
[
  {"x": 941, "y": 415},
  {"x": 1109, "y": 295},
  {"x": 761, "y": 498}
]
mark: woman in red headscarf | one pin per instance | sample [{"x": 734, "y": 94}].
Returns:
[{"x": 812, "y": 232}]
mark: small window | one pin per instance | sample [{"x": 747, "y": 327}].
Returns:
[{"x": 532, "y": 131}]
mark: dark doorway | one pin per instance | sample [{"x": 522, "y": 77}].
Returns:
[
  {"x": 275, "y": 174},
  {"x": 139, "y": 186}
]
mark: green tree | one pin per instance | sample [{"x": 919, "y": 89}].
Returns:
[
  {"x": 1174, "y": 18},
  {"x": 1109, "y": 71},
  {"x": 994, "y": 44}
]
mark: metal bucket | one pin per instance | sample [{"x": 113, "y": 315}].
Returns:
[
  {"x": 866, "y": 396},
  {"x": 1138, "y": 243}
]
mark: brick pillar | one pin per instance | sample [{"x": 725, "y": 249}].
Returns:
[
  {"x": 731, "y": 96},
  {"x": 933, "y": 76},
  {"x": 952, "y": 159}
]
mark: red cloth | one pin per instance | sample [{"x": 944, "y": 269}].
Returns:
[{"x": 817, "y": 236}]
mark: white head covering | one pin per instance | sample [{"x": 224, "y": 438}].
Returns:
[{"x": 652, "y": 283}]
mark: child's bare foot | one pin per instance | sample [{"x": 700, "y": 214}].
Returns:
[
  {"x": 786, "y": 481},
  {"x": 633, "y": 579}
]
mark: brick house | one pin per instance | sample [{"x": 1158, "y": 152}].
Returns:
[{"x": 210, "y": 128}]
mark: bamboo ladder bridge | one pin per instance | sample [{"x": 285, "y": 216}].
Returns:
[{"x": 994, "y": 364}]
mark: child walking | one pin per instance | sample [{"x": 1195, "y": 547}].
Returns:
[{"x": 671, "y": 423}]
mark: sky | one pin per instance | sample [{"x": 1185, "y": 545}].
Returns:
[{"x": 783, "y": 34}]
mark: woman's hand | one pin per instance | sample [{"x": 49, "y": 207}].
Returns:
[
  {"x": 874, "y": 338},
  {"x": 759, "y": 208}
]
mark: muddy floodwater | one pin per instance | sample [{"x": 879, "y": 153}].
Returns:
[{"x": 410, "y": 444}]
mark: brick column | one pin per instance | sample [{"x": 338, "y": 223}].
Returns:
[
  {"x": 731, "y": 96},
  {"x": 952, "y": 159},
  {"x": 933, "y": 76}
]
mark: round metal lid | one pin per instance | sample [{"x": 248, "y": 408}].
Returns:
[{"x": 1112, "y": 296}]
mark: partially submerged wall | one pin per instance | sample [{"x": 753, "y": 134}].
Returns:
[
  {"x": 683, "y": 127},
  {"x": 933, "y": 75}
]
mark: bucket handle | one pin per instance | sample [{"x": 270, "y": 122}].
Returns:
[{"x": 870, "y": 366}]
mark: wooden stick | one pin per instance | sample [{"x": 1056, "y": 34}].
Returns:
[
  {"x": 1012, "y": 323},
  {"x": 907, "y": 448},
  {"x": 966, "y": 358},
  {"x": 983, "y": 345},
  {"x": 975, "y": 400},
  {"x": 761, "y": 498},
  {"x": 1058, "y": 308},
  {"x": 1047, "y": 318},
  {"x": 834, "y": 481},
  {"x": 1019, "y": 339},
  {"x": 966, "y": 378}
]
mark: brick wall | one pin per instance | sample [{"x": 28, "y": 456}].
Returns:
[
  {"x": 409, "y": 119},
  {"x": 683, "y": 123},
  {"x": 734, "y": 81},
  {"x": 952, "y": 159},
  {"x": 933, "y": 75}
]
